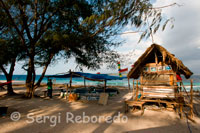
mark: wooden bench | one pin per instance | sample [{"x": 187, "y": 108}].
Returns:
[{"x": 134, "y": 104}]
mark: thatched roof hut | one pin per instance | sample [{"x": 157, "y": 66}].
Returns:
[
  {"x": 158, "y": 54},
  {"x": 159, "y": 82}
]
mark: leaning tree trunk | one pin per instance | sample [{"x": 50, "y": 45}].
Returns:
[{"x": 9, "y": 76}]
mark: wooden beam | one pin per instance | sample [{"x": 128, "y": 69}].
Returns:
[
  {"x": 191, "y": 119},
  {"x": 161, "y": 101},
  {"x": 155, "y": 81},
  {"x": 159, "y": 87}
]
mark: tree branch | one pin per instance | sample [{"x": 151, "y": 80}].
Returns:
[
  {"x": 24, "y": 20},
  {"x": 12, "y": 66},
  {"x": 173, "y": 4},
  {"x": 13, "y": 22},
  {"x": 45, "y": 25},
  {"x": 41, "y": 24},
  {"x": 4, "y": 70},
  {"x": 36, "y": 19}
]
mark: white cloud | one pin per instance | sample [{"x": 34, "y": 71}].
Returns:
[{"x": 183, "y": 40}]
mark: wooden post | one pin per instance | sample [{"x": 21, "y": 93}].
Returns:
[
  {"x": 178, "y": 92},
  {"x": 136, "y": 97},
  {"x": 141, "y": 85},
  {"x": 67, "y": 90},
  {"x": 171, "y": 79},
  {"x": 104, "y": 86},
  {"x": 181, "y": 110},
  {"x": 133, "y": 88},
  {"x": 128, "y": 85},
  {"x": 70, "y": 83},
  {"x": 84, "y": 83},
  {"x": 191, "y": 100}
]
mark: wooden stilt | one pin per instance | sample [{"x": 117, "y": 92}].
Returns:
[
  {"x": 181, "y": 110},
  {"x": 104, "y": 86},
  {"x": 141, "y": 87},
  {"x": 67, "y": 87},
  {"x": 70, "y": 83},
  {"x": 191, "y": 100},
  {"x": 84, "y": 83},
  {"x": 136, "y": 97},
  {"x": 128, "y": 84},
  {"x": 133, "y": 88}
]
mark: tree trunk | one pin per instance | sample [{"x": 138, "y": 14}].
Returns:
[
  {"x": 9, "y": 76},
  {"x": 30, "y": 78},
  {"x": 9, "y": 86}
]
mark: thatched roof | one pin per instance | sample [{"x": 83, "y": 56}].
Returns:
[{"x": 166, "y": 58}]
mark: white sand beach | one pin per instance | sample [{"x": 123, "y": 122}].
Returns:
[{"x": 38, "y": 108}]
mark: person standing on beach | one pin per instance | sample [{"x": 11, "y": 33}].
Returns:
[{"x": 49, "y": 88}]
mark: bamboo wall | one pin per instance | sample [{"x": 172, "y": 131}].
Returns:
[{"x": 158, "y": 81}]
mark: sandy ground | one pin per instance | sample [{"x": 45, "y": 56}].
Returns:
[{"x": 40, "y": 115}]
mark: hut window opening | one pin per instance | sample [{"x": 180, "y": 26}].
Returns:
[
  {"x": 160, "y": 68},
  {"x": 168, "y": 68},
  {"x": 153, "y": 69}
]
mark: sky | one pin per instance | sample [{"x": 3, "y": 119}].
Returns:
[{"x": 183, "y": 40}]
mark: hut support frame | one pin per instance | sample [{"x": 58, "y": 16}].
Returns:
[{"x": 178, "y": 102}]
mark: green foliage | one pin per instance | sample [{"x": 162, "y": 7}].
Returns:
[
  {"x": 49, "y": 28},
  {"x": 140, "y": 13},
  {"x": 10, "y": 48},
  {"x": 78, "y": 28}
]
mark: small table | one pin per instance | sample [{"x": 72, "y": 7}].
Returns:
[{"x": 134, "y": 104}]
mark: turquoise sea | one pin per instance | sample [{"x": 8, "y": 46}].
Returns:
[{"x": 18, "y": 79}]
